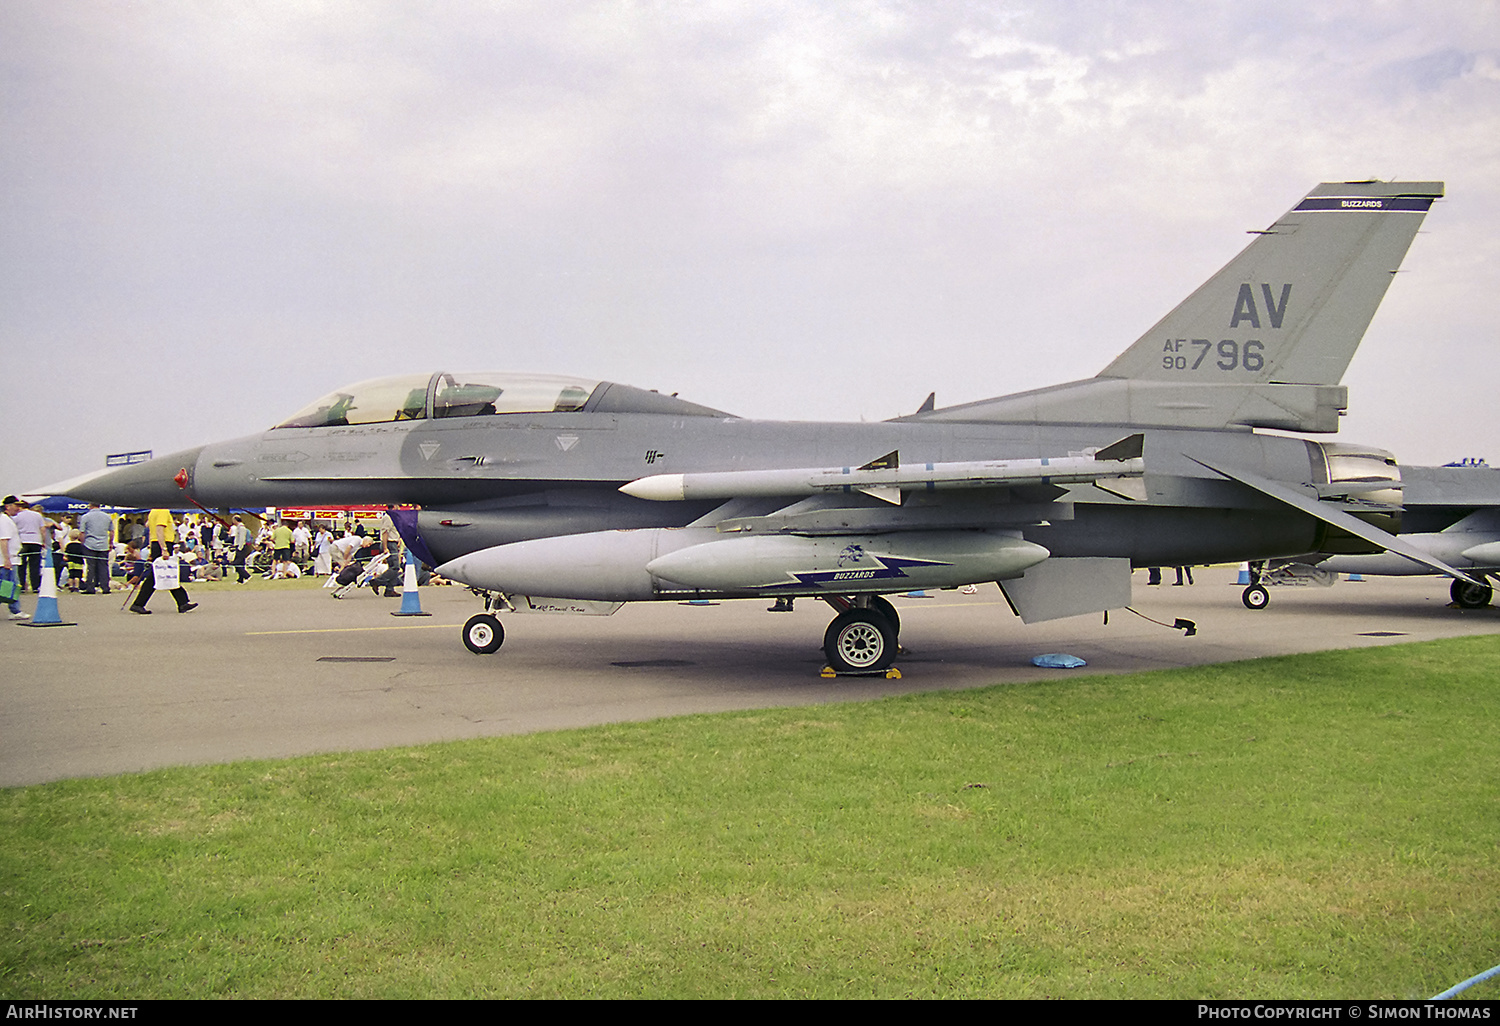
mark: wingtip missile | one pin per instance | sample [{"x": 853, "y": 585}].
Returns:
[{"x": 884, "y": 477}]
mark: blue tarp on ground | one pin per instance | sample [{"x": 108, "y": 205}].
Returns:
[{"x": 1058, "y": 661}]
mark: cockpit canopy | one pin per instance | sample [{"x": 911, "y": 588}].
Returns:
[
  {"x": 420, "y": 397},
  {"x": 483, "y": 394}
]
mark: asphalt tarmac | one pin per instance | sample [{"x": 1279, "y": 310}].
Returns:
[{"x": 281, "y": 672}]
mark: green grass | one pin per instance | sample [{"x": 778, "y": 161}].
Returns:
[{"x": 1312, "y": 826}]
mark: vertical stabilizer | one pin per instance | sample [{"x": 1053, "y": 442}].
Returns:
[{"x": 1293, "y": 306}]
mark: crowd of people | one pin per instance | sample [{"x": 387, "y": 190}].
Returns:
[{"x": 95, "y": 549}]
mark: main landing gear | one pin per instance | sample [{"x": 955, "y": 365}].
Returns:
[
  {"x": 1470, "y": 596},
  {"x": 863, "y": 638}
]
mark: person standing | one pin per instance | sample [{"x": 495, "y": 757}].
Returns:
[
  {"x": 61, "y": 534},
  {"x": 301, "y": 541},
  {"x": 163, "y": 532},
  {"x": 239, "y": 541},
  {"x": 10, "y": 552},
  {"x": 76, "y": 557},
  {"x": 98, "y": 540},
  {"x": 390, "y": 538},
  {"x": 281, "y": 545},
  {"x": 323, "y": 564},
  {"x": 33, "y": 531}
]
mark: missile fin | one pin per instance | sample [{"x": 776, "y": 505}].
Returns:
[
  {"x": 1128, "y": 448},
  {"x": 885, "y": 493}
]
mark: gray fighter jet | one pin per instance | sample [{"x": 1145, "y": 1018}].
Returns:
[{"x": 551, "y": 493}]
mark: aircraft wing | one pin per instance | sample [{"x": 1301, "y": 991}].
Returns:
[{"x": 1335, "y": 517}]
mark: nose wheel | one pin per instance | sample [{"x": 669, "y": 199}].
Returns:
[
  {"x": 1256, "y": 596},
  {"x": 483, "y": 634}
]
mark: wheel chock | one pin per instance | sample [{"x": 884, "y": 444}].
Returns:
[{"x": 889, "y": 673}]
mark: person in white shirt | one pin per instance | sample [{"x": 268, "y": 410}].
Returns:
[
  {"x": 10, "y": 550},
  {"x": 323, "y": 563},
  {"x": 33, "y": 531},
  {"x": 345, "y": 548},
  {"x": 239, "y": 541}
]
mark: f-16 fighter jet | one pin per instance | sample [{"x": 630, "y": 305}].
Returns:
[{"x": 568, "y": 494}]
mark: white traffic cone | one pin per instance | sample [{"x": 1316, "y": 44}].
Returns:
[{"x": 411, "y": 602}]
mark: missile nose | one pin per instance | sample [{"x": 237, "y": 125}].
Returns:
[{"x": 155, "y": 484}]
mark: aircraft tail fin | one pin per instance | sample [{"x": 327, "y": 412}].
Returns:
[
  {"x": 1293, "y": 306},
  {"x": 1264, "y": 342}
]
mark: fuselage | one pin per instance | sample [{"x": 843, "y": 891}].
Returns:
[{"x": 492, "y": 480}]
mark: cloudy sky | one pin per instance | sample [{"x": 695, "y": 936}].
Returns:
[{"x": 214, "y": 211}]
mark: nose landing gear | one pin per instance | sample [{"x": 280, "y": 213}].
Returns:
[
  {"x": 483, "y": 634},
  {"x": 1256, "y": 596}
]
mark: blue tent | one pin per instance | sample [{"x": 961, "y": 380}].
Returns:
[{"x": 64, "y": 504}]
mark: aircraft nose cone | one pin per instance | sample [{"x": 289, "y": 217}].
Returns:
[{"x": 152, "y": 485}]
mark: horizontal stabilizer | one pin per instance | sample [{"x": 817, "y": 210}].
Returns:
[{"x": 1336, "y": 517}]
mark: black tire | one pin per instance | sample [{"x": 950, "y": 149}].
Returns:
[
  {"x": 1256, "y": 597},
  {"x": 1471, "y": 596},
  {"x": 882, "y": 605},
  {"x": 859, "y": 641},
  {"x": 483, "y": 634}
]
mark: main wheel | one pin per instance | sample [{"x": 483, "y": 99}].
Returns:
[
  {"x": 880, "y": 604},
  {"x": 859, "y": 640},
  {"x": 483, "y": 634},
  {"x": 1256, "y": 597},
  {"x": 1471, "y": 596}
]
